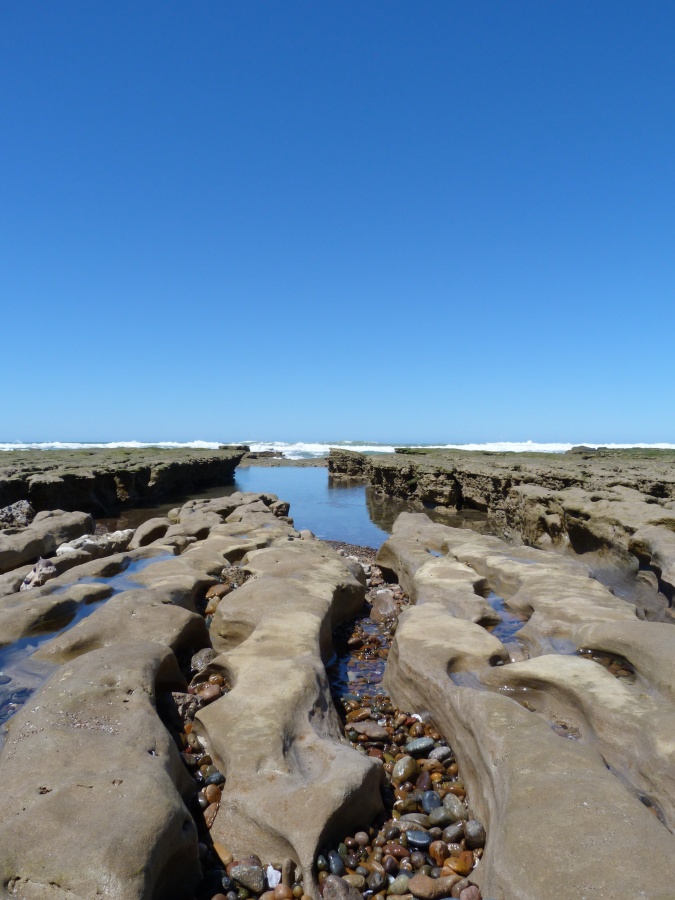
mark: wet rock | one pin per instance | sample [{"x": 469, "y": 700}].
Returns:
[
  {"x": 474, "y": 834},
  {"x": 356, "y": 881},
  {"x": 442, "y": 816},
  {"x": 430, "y": 801},
  {"x": 425, "y": 888},
  {"x": 419, "y": 840},
  {"x": 383, "y": 606},
  {"x": 454, "y": 807},
  {"x": 453, "y": 833},
  {"x": 400, "y": 885},
  {"x": 406, "y": 769},
  {"x": 372, "y": 730},
  {"x": 376, "y": 882},
  {"x": 335, "y": 864},
  {"x": 419, "y": 747},
  {"x": 440, "y": 753},
  {"x": 210, "y": 814}
]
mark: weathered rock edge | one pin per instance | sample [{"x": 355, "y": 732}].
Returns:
[
  {"x": 92, "y": 730},
  {"x": 105, "y": 481},
  {"x": 93, "y": 787},
  {"x": 559, "y": 824},
  {"x": 624, "y": 503},
  {"x": 292, "y": 780}
]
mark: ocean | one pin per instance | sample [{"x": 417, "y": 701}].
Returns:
[{"x": 313, "y": 450}]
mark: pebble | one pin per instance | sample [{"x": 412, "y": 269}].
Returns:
[
  {"x": 430, "y": 801},
  {"x": 426, "y": 888},
  {"x": 453, "y": 833},
  {"x": 417, "y": 819},
  {"x": 215, "y": 778},
  {"x": 210, "y": 814},
  {"x": 209, "y": 692},
  {"x": 212, "y": 793},
  {"x": 372, "y": 730},
  {"x": 474, "y": 834},
  {"x": 470, "y": 893},
  {"x": 455, "y": 807},
  {"x": 251, "y": 877},
  {"x": 376, "y": 881},
  {"x": 442, "y": 816},
  {"x": 423, "y": 838},
  {"x": 218, "y": 590},
  {"x": 336, "y": 888},
  {"x": 399, "y": 885},
  {"x": 201, "y": 660},
  {"x": 335, "y": 864},
  {"x": 406, "y": 769},
  {"x": 461, "y": 864},
  {"x": 419, "y": 840},
  {"x": 419, "y": 747},
  {"x": 440, "y": 753}
]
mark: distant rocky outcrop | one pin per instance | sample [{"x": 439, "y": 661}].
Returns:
[{"x": 105, "y": 481}]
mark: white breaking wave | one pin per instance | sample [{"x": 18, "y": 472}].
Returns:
[
  {"x": 113, "y": 445},
  {"x": 309, "y": 450},
  {"x": 302, "y": 450},
  {"x": 313, "y": 450}
]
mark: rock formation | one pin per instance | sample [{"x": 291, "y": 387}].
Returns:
[
  {"x": 536, "y": 788},
  {"x": 105, "y": 481}
]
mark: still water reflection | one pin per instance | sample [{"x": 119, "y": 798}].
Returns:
[{"x": 334, "y": 509}]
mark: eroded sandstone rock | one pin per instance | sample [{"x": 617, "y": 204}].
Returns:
[
  {"x": 532, "y": 788},
  {"x": 524, "y": 773},
  {"x": 88, "y": 764},
  {"x": 292, "y": 781}
]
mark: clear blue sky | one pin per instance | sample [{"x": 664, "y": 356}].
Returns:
[{"x": 447, "y": 221}]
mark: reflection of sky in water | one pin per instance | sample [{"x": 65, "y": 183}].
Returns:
[
  {"x": 334, "y": 509},
  {"x": 21, "y": 675},
  {"x": 335, "y": 512},
  {"x": 510, "y": 624}
]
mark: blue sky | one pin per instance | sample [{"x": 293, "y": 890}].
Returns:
[{"x": 436, "y": 222}]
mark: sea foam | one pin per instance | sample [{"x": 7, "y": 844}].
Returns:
[{"x": 315, "y": 450}]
